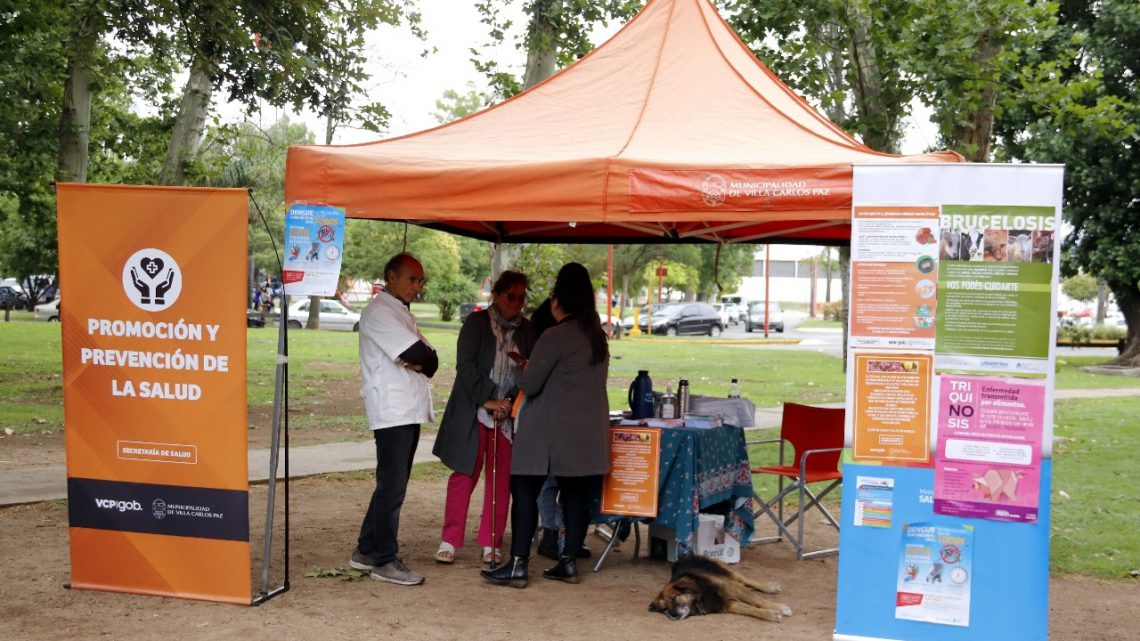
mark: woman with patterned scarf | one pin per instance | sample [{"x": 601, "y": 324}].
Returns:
[{"x": 480, "y": 402}]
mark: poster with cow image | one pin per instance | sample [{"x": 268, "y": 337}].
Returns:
[
  {"x": 995, "y": 288},
  {"x": 154, "y": 389}
]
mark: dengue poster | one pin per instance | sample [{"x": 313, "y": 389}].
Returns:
[
  {"x": 935, "y": 567},
  {"x": 894, "y": 276},
  {"x": 995, "y": 275},
  {"x": 630, "y": 489},
  {"x": 314, "y": 248},
  {"x": 989, "y": 447},
  {"x": 891, "y": 406}
]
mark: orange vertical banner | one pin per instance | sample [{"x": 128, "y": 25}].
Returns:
[{"x": 154, "y": 389}]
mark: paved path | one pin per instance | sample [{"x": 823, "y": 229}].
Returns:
[{"x": 49, "y": 483}]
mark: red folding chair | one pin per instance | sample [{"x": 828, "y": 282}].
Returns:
[{"x": 816, "y": 434}]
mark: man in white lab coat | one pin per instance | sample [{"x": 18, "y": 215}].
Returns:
[{"x": 396, "y": 362}]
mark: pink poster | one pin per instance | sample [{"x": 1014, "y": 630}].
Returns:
[{"x": 989, "y": 447}]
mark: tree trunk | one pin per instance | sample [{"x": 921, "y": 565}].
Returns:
[
  {"x": 1128, "y": 300},
  {"x": 190, "y": 124},
  {"x": 867, "y": 81},
  {"x": 973, "y": 136},
  {"x": 75, "y": 117},
  {"x": 814, "y": 286},
  {"x": 542, "y": 36},
  {"x": 827, "y": 290},
  {"x": 844, "y": 309},
  {"x": 1101, "y": 301},
  {"x": 541, "y": 61}
]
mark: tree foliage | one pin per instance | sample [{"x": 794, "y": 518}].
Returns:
[
  {"x": 559, "y": 29},
  {"x": 1088, "y": 117},
  {"x": 1080, "y": 287}
]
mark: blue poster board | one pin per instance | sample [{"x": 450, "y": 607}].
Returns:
[{"x": 1008, "y": 574}]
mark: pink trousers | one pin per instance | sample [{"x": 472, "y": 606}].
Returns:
[{"x": 460, "y": 486}]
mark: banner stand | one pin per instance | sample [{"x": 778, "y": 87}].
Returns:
[{"x": 280, "y": 425}]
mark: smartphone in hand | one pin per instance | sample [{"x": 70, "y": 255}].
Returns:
[{"x": 518, "y": 358}]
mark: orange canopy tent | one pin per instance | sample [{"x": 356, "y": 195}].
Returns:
[{"x": 671, "y": 131}]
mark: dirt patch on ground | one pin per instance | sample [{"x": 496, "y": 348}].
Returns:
[{"x": 453, "y": 604}]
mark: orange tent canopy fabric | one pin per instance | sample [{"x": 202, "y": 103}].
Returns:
[{"x": 671, "y": 131}]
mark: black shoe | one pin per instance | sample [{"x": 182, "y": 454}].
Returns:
[
  {"x": 566, "y": 571},
  {"x": 584, "y": 552},
  {"x": 512, "y": 573},
  {"x": 548, "y": 544}
]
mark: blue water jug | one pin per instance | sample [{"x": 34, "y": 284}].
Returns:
[{"x": 641, "y": 396}]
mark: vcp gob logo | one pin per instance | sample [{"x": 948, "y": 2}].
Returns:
[
  {"x": 713, "y": 190},
  {"x": 152, "y": 279}
]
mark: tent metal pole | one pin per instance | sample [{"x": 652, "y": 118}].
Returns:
[{"x": 280, "y": 400}]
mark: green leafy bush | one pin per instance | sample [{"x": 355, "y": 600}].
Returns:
[{"x": 832, "y": 310}]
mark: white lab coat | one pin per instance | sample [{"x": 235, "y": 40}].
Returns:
[{"x": 393, "y": 394}]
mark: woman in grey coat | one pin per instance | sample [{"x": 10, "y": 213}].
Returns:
[
  {"x": 562, "y": 427},
  {"x": 485, "y": 382}
]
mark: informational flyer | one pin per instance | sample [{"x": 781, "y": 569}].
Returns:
[
  {"x": 934, "y": 573},
  {"x": 891, "y": 406},
  {"x": 988, "y": 463},
  {"x": 630, "y": 489},
  {"x": 995, "y": 277},
  {"x": 894, "y": 276},
  {"x": 314, "y": 250},
  {"x": 875, "y": 502}
]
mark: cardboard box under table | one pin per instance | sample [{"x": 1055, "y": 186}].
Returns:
[{"x": 713, "y": 541}]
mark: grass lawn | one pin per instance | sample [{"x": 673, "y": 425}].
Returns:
[{"x": 1095, "y": 519}]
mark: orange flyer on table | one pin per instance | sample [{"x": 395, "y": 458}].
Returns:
[
  {"x": 891, "y": 407},
  {"x": 630, "y": 489}
]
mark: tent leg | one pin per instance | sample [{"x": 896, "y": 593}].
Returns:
[{"x": 280, "y": 418}]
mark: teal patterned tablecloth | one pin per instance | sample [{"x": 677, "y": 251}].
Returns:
[{"x": 701, "y": 468}]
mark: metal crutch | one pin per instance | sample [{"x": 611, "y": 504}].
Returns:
[{"x": 494, "y": 474}]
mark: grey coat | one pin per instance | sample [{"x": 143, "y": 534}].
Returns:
[
  {"x": 457, "y": 442},
  {"x": 563, "y": 426}
]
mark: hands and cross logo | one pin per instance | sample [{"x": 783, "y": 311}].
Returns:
[{"x": 152, "y": 279}]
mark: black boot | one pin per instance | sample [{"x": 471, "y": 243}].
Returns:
[
  {"x": 566, "y": 570},
  {"x": 548, "y": 544},
  {"x": 512, "y": 573}
]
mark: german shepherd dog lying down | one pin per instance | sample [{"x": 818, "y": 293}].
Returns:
[{"x": 700, "y": 585}]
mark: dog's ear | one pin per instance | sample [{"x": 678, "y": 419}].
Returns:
[{"x": 685, "y": 584}]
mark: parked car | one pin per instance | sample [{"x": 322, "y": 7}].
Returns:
[
  {"x": 722, "y": 311},
  {"x": 48, "y": 312},
  {"x": 737, "y": 313},
  {"x": 684, "y": 318},
  {"x": 466, "y": 309},
  {"x": 333, "y": 315},
  {"x": 614, "y": 322},
  {"x": 642, "y": 312},
  {"x": 755, "y": 320},
  {"x": 10, "y": 297}
]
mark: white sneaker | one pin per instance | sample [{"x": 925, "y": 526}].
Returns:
[{"x": 396, "y": 572}]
